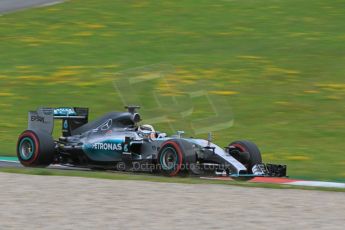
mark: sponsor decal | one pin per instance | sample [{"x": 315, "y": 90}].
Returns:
[
  {"x": 64, "y": 112},
  {"x": 107, "y": 146},
  {"x": 37, "y": 118}
]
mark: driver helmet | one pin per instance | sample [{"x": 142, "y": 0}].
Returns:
[{"x": 147, "y": 131}]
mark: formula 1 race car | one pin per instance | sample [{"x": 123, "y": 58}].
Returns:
[{"x": 117, "y": 141}]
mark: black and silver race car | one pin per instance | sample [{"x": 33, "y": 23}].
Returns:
[{"x": 117, "y": 141}]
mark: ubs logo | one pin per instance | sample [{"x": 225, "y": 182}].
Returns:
[{"x": 37, "y": 118}]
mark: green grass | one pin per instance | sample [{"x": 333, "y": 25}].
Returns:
[
  {"x": 275, "y": 67},
  {"x": 153, "y": 178}
]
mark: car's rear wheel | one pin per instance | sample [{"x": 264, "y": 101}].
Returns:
[
  {"x": 35, "y": 149},
  {"x": 175, "y": 157},
  {"x": 246, "y": 152}
]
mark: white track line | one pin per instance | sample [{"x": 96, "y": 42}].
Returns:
[
  {"x": 323, "y": 184},
  {"x": 33, "y": 7},
  {"x": 9, "y": 161},
  {"x": 49, "y": 4},
  {"x": 317, "y": 184}
]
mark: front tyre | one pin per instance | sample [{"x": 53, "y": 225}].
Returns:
[
  {"x": 35, "y": 149},
  {"x": 246, "y": 152}
]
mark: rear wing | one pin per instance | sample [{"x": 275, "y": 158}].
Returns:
[{"x": 72, "y": 118}]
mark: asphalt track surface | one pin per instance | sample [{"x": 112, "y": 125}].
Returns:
[
  {"x": 51, "y": 202},
  {"x": 7, "y": 6}
]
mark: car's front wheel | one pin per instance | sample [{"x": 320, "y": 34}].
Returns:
[{"x": 246, "y": 152}]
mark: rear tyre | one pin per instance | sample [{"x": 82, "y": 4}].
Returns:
[
  {"x": 246, "y": 152},
  {"x": 175, "y": 157},
  {"x": 35, "y": 149}
]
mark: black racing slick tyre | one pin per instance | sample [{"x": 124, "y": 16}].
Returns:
[
  {"x": 243, "y": 147},
  {"x": 175, "y": 157},
  {"x": 35, "y": 148}
]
